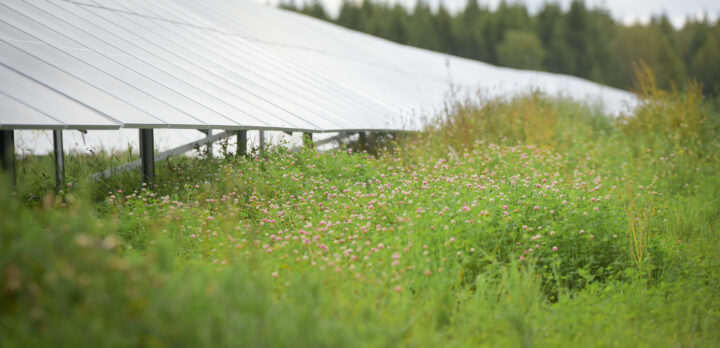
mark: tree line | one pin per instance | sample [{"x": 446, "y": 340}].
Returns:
[{"x": 580, "y": 41}]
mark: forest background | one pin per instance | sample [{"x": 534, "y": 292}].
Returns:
[{"x": 580, "y": 41}]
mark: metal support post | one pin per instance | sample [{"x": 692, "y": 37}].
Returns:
[
  {"x": 147, "y": 155},
  {"x": 59, "y": 158},
  {"x": 262, "y": 141},
  {"x": 7, "y": 153},
  {"x": 363, "y": 141},
  {"x": 209, "y": 145},
  {"x": 241, "y": 143},
  {"x": 308, "y": 140}
]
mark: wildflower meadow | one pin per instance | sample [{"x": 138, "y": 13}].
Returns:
[{"x": 534, "y": 221}]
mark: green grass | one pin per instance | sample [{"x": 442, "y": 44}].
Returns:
[{"x": 534, "y": 222}]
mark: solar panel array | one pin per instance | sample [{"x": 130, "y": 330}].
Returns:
[{"x": 108, "y": 64}]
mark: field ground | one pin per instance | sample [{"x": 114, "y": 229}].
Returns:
[{"x": 533, "y": 222}]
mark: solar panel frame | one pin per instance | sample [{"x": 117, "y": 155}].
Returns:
[{"x": 107, "y": 64}]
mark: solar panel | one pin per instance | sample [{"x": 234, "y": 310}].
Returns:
[
  {"x": 22, "y": 90},
  {"x": 30, "y": 117},
  {"x": 105, "y": 64}
]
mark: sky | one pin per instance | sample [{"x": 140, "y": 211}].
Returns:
[{"x": 627, "y": 11}]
